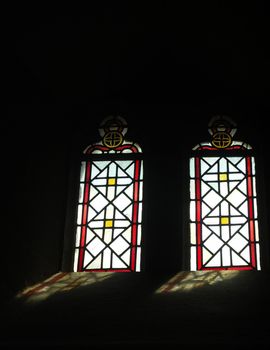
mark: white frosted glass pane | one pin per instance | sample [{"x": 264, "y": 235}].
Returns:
[
  {"x": 119, "y": 215},
  {"x": 138, "y": 261},
  {"x": 206, "y": 255},
  {"x": 121, "y": 223},
  {"x": 81, "y": 193},
  {"x": 78, "y": 235},
  {"x": 82, "y": 174},
  {"x": 95, "y": 246},
  {"x": 244, "y": 230},
  {"x": 226, "y": 260},
  {"x": 102, "y": 164},
  {"x": 214, "y": 185},
  {"x": 245, "y": 254},
  {"x": 223, "y": 165},
  {"x": 129, "y": 191},
  {"x": 192, "y": 210},
  {"x": 244, "y": 208},
  {"x": 215, "y": 261},
  {"x": 127, "y": 234},
  {"x": 237, "y": 242},
  {"x": 214, "y": 169},
  {"x": 192, "y": 233},
  {"x": 236, "y": 260},
  {"x": 204, "y": 166},
  {"x": 91, "y": 214},
  {"x": 110, "y": 193},
  {"x": 124, "y": 163},
  {"x": 129, "y": 170},
  {"x": 106, "y": 258},
  {"x": 126, "y": 257},
  {"x": 94, "y": 171},
  {"x": 256, "y": 230},
  {"x": 242, "y": 186},
  {"x": 258, "y": 256},
  {"x": 79, "y": 214},
  {"x": 204, "y": 188},
  {"x": 108, "y": 235},
  {"x": 193, "y": 260},
  {"x": 234, "y": 160},
  {"x": 112, "y": 170},
  {"x": 89, "y": 235},
  {"x": 99, "y": 202},
  {"x": 237, "y": 219},
  {"x": 225, "y": 234},
  {"x": 211, "y": 160},
  {"x": 205, "y": 232},
  {"x": 223, "y": 188},
  {"x": 95, "y": 264},
  {"x": 139, "y": 213},
  {"x": 253, "y": 165},
  {"x": 191, "y": 168},
  {"x": 96, "y": 224},
  {"x": 192, "y": 189},
  {"x": 93, "y": 193},
  {"x": 119, "y": 245},
  {"x": 128, "y": 212},
  {"x": 236, "y": 198},
  {"x": 139, "y": 235},
  {"x": 205, "y": 209},
  {"x": 210, "y": 177},
  {"x": 122, "y": 201},
  {"x": 224, "y": 208},
  {"x": 236, "y": 176},
  {"x": 242, "y": 165},
  {"x": 127, "y": 150},
  {"x": 87, "y": 258},
  {"x": 117, "y": 263},
  {"x": 212, "y": 199},
  {"x": 109, "y": 212},
  {"x": 124, "y": 181},
  {"x": 211, "y": 221},
  {"x": 97, "y": 151},
  {"x": 140, "y": 191},
  {"x": 141, "y": 172},
  {"x": 254, "y": 186},
  {"x": 99, "y": 182},
  {"x": 215, "y": 229},
  {"x": 213, "y": 243},
  {"x": 75, "y": 264}
]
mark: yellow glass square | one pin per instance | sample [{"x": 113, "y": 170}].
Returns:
[
  {"x": 224, "y": 220},
  {"x": 223, "y": 177},
  {"x": 108, "y": 223},
  {"x": 111, "y": 181}
]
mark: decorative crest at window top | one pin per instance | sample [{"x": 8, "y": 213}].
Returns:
[
  {"x": 112, "y": 131},
  {"x": 222, "y": 130}
]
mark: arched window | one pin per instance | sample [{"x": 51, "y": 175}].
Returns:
[
  {"x": 223, "y": 202},
  {"x": 109, "y": 214}
]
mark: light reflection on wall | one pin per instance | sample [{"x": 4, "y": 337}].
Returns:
[
  {"x": 61, "y": 282},
  {"x": 186, "y": 281}
]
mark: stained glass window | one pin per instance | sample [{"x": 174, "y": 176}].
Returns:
[
  {"x": 223, "y": 202},
  {"x": 109, "y": 215}
]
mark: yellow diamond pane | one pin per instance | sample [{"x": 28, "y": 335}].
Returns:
[
  {"x": 111, "y": 181},
  {"x": 224, "y": 220},
  {"x": 223, "y": 177},
  {"x": 108, "y": 223}
]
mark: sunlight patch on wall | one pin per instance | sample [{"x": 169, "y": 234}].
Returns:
[
  {"x": 186, "y": 281},
  {"x": 61, "y": 282}
]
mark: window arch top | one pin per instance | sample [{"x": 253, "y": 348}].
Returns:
[
  {"x": 112, "y": 131},
  {"x": 222, "y": 129}
]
